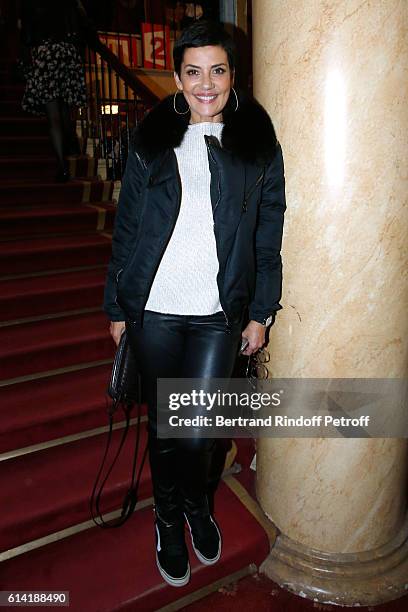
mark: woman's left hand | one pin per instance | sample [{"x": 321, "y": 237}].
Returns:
[{"x": 255, "y": 333}]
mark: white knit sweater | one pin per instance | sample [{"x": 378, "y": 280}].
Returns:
[{"x": 185, "y": 282}]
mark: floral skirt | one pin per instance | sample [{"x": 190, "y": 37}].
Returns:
[{"x": 56, "y": 72}]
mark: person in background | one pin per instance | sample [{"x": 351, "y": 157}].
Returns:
[
  {"x": 192, "y": 12},
  {"x": 195, "y": 273},
  {"x": 55, "y": 80},
  {"x": 175, "y": 15}
]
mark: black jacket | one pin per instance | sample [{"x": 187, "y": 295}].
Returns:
[{"x": 248, "y": 201}]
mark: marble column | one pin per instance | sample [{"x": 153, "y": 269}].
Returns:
[{"x": 333, "y": 75}]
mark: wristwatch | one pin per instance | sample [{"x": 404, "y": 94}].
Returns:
[{"x": 268, "y": 321}]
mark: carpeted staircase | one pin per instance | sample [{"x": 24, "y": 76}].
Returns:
[{"x": 55, "y": 356}]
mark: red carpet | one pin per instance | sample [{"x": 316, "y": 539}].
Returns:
[
  {"x": 28, "y": 193},
  {"x": 31, "y": 145},
  {"x": 51, "y": 293},
  {"x": 47, "y": 408},
  {"x": 30, "y": 126},
  {"x": 47, "y": 500},
  {"x": 9, "y": 107},
  {"x": 54, "y": 253},
  {"x": 54, "y": 219},
  {"x": 257, "y": 593},
  {"x": 124, "y": 558},
  {"x": 40, "y": 168},
  {"x": 51, "y": 344}
]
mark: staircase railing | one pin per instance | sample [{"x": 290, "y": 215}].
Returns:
[{"x": 117, "y": 101}]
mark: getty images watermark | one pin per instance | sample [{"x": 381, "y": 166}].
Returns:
[
  {"x": 255, "y": 401},
  {"x": 286, "y": 407}
]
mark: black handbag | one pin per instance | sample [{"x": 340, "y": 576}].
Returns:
[
  {"x": 124, "y": 390},
  {"x": 124, "y": 381}
]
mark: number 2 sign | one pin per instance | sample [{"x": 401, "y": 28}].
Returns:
[{"x": 156, "y": 45}]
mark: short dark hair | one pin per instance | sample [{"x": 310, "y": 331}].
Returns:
[{"x": 200, "y": 34}]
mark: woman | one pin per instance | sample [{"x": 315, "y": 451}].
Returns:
[
  {"x": 55, "y": 79},
  {"x": 196, "y": 247}
]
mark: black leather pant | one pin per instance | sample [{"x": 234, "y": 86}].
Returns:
[{"x": 181, "y": 346}]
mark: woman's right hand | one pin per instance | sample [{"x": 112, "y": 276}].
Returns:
[{"x": 116, "y": 329}]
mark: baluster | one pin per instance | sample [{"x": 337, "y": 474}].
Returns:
[
  {"x": 118, "y": 162},
  {"x": 112, "y": 144},
  {"x": 97, "y": 115},
  {"x": 84, "y": 112},
  {"x": 92, "y": 102},
  {"x": 103, "y": 115},
  {"x": 127, "y": 144}
]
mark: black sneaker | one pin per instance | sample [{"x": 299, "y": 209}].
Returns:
[
  {"x": 205, "y": 538},
  {"x": 171, "y": 552}
]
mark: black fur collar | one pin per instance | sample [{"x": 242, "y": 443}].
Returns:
[{"x": 248, "y": 132}]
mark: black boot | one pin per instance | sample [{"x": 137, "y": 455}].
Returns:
[
  {"x": 222, "y": 447},
  {"x": 194, "y": 467},
  {"x": 171, "y": 551},
  {"x": 163, "y": 468}
]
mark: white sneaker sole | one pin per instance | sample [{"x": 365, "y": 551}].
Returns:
[
  {"x": 201, "y": 557},
  {"x": 176, "y": 582}
]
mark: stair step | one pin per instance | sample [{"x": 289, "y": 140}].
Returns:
[
  {"x": 12, "y": 108},
  {"x": 5, "y": 73},
  {"x": 27, "y": 194},
  {"x": 38, "y": 168},
  {"x": 41, "y": 168},
  {"x": 41, "y": 254},
  {"x": 12, "y": 92},
  {"x": 123, "y": 560},
  {"x": 42, "y": 346},
  {"x": 25, "y": 145},
  {"x": 49, "y": 194},
  {"x": 56, "y": 219},
  {"x": 54, "y": 407},
  {"x": 51, "y": 488},
  {"x": 27, "y": 126},
  {"x": 53, "y": 293}
]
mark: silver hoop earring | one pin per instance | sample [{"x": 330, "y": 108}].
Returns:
[
  {"x": 174, "y": 106},
  {"x": 236, "y": 99}
]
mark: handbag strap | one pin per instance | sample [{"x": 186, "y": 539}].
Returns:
[{"x": 130, "y": 499}]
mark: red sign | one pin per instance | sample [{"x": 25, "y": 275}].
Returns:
[
  {"x": 156, "y": 46},
  {"x": 124, "y": 46}
]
